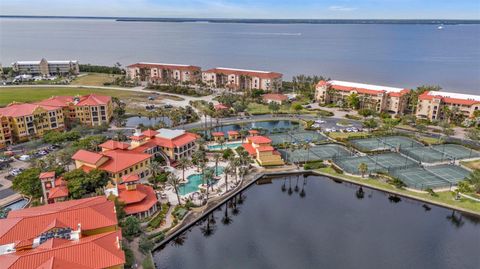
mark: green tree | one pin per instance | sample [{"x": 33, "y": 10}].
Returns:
[
  {"x": 80, "y": 183},
  {"x": 473, "y": 133},
  {"x": 131, "y": 227},
  {"x": 474, "y": 179},
  {"x": 363, "y": 168},
  {"x": 353, "y": 100},
  {"x": 28, "y": 183},
  {"x": 145, "y": 245},
  {"x": 365, "y": 112},
  {"x": 184, "y": 164},
  {"x": 370, "y": 123},
  {"x": 274, "y": 107},
  {"x": 174, "y": 181}
]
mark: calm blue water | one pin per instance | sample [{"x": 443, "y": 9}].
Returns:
[
  {"x": 268, "y": 125},
  {"x": 396, "y": 55},
  {"x": 229, "y": 145},
  {"x": 195, "y": 180},
  {"x": 331, "y": 226},
  {"x": 136, "y": 120}
]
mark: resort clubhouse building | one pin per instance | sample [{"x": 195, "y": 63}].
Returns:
[
  {"x": 375, "y": 97},
  {"x": 432, "y": 104},
  {"x": 46, "y": 68}
]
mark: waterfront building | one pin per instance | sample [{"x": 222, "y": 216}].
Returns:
[
  {"x": 275, "y": 97},
  {"x": 54, "y": 189},
  {"x": 73, "y": 234},
  {"x": 91, "y": 109},
  {"x": 375, "y": 97},
  {"x": 139, "y": 200},
  {"x": 432, "y": 104},
  {"x": 242, "y": 79},
  {"x": 233, "y": 135},
  {"x": 217, "y": 136},
  {"x": 116, "y": 162},
  {"x": 158, "y": 73},
  {"x": 21, "y": 122},
  {"x": 260, "y": 148},
  {"x": 46, "y": 68},
  {"x": 171, "y": 144}
]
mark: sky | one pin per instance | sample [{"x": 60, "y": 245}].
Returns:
[{"x": 288, "y": 9}]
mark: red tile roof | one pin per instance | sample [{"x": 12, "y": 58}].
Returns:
[
  {"x": 21, "y": 109},
  {"x": 218, "y": 134},
  {"x": 58, "y": 101},
  {"x": 87, "y": 156},
  {"x": 91, "y": 213},
  {"x": 47, "y": 174},
  {"x": 139, "y": 200},
  {"x": 120, "y": 160},
  {"x": 274, "y": 97},
  {"x": 165, "y": 66},
  {"x": 450, "y": 100},
  {"x": 250, "y": 149},
  {"x": 265, "y": 148},
  {"x": 149, "y": 133},
  {"x": 130, "y": 178},
  {"x": 96, "y": 251},
  {"x": 178, "y": 141},
  {"x": 221, "y": 107},
  {"x": 258, "y": 139},
  {"x": 94, "y": 100},
  {"x": 240, "y": 72},
  {"x": 112, "y": 144},
  {"x": 58, "y": 192},
  {"x": 233, "y": 133}
]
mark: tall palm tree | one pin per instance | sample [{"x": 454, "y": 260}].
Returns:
[
  {"x": 173, "y": 180},
  {"x": 154, "y": 167},
  {"x": 234, "y": 164},
  {"x": 216, "y": 157},
  {"x": 207, "y": 177},
  {"x": 363, "y": 168},
  {"x": 183, "y": 163},
  {"x": 226, "y": 171},
  {"x": 243, "y": 171}
]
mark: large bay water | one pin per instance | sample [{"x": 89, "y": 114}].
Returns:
[
  {"x": 396, "y": 55},
  {"x": 332, "y": 226}
]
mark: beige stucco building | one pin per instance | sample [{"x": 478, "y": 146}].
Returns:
[
  {"x": 46, "y": 68},
  {"x": 157, "y": 73},
  {"x": 431, "y": 105},
  {"x": 241, "y": 79},
  {"x": 379, "y": 98}
]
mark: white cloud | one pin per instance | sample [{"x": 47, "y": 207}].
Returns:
[{"x": 341, "y": 8}]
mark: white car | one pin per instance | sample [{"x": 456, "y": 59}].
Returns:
[
  {"x": 24, "y": 158},
  {"x": 319, "y": 121},
  {"x": 328, "y": 130}
]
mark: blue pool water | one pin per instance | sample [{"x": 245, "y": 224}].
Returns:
[
  {"x": 194, "y": 181},
  {"x": 230, "y": 146}
]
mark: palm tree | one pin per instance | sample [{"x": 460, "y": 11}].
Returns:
[
  {"x": 226, "y": 171},
  {"x": 243, "y": 171},
  {"x": 216, "y": 157},
  {"x": 474, "y": 179},
  {"x": 307, "y": 147},
  {"x": 234, "y": 164},
  {"x": 183, "y": 164},
  {"x": 208, "y": 177},
  {"x": 363, "y": 168},
  {"x": 173, "y": 180},
  {"x": 154, "y": 167}
]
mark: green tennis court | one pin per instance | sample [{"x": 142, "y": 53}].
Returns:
[
  {"x": 280, "y": 138},
  {"x": 329, "y": 151},
  {"x": 369, "y": 144},
  {"x": 350, "y": 164},
  {"x": 400, "y": 141},
  {"x": 420, "y": 178},
  {"x": 307, "y": 136},
  {"x": 392, "y": 160},
  {"x": 450, "y": 173},
  {"x": 315, "y": 153},
  {"x": 457, "y": 151},
  {"x": 425, "y": 154},
  {"x": 298, "y": 155}
]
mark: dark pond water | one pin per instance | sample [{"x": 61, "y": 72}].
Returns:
[
  {"x": 146, "y": 121},
  {"x": 268, "y": 125},
  {"x": 332, "y": 226}
]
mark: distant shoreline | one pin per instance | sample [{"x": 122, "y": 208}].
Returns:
[{"x": 259, "y": 21}]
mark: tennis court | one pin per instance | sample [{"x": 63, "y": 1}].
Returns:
[
  {"x": 425, "y": 154},
  {"x": 400, "y": 141},
  {"x": 307, "y": 136},
  {"x": 350, "y": 164},
  {"x": 450, "y": 173},
  {"x": 420, "y": 178},
  {"x": 329, "y": 151},
  {"x": 457, "y": 151},
  {"x": 298, "y": 155},
  {"x": 369, "y": 144},
  {"x": 393, "y": 160},
  {"x": 280, "y": 138},
  {"x": 315, "y": 153}
]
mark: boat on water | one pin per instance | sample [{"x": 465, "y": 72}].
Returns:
[{"x": 440, "y": 27}]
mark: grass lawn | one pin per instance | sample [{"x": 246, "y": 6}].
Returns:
[
  {"x": 30, "y": 94},
  {"x": 258, "y": 109},
  {"x": 444, "y": 197},
  {"x": 94, "y": 79},
  {"x": 339, "y": 135},
  {"x": 429, "y": 140},
  {"x": 472, "y": 164}
]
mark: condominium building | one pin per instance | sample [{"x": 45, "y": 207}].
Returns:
[
  {"x": 241, "y": 79},
  {"x": 260, "y": 148},
  {"x": 92, "y": 109},
  {"x": 431, "y": 104},
  {"x": 379, "y": 98},
  {"x": 46, "y": 68},
  {"x": 157, "y": 73},
  {"x": 73, "y": 234},
  {"x": 21, "y": 122}
]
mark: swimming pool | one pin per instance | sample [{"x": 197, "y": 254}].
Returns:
[
  {"x": 229, "y": 145},
  {"x": 194, "y": 181}
]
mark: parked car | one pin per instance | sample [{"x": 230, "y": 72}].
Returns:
[{"x": 24, "y": 158}]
